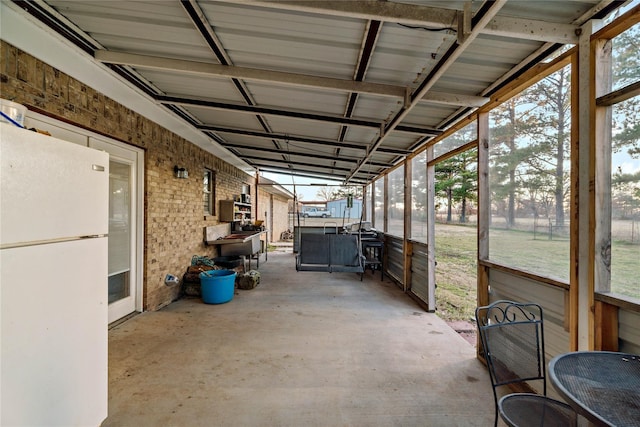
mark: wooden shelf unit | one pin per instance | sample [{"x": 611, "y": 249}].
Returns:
[{"x": 231, "y": 211}]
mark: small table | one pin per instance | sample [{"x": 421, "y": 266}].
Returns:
[{"x": 603, "y": 386}]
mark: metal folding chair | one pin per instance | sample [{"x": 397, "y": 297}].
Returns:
[{"x": 512, "y": 338}]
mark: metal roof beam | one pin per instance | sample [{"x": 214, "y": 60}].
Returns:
[
  {"x": 287, "y": 137},
  {"x": 293, "y": 162},
  {"x": 410, "y": 14},
  {"x": 293, "y": 79},
  {"x": 532, "y": 30},
  {"x": 202, "y": 25},
  {"x": 419, "y": 15},
  {"x": 203, "y": 68},
  {"x": 308, "y": 174},
  {"x": 302, "y": 154},
  {"x": 367, "y": 46},
  {"x": 296, "y": 114}
]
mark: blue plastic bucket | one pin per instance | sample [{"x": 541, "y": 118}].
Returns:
[{"x": 217, "y": 286}]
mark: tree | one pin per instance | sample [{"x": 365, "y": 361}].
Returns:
[
  {"x": 550, "y": 136},
  {"x": 395, "y": 198},
  {"x": 456, "y": 180},
  {"x": 505, "y": 157},
  {"x": 625, "y": 195},
  {"x": 530, "y": 149},
  {"x": 467, "y": 188},
  {"x": 325, "y": 193},
  {"x": 445, "y": 180},
  {"x": 343, "y": 192},
  {"x": 626, "y": 70},
  {"x": 419, "y": 186},
  {"x": 329, "y": 193}
]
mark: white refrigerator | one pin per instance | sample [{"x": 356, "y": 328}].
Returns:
[{"x": 53, "y": 281}]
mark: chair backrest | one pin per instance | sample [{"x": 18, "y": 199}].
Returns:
[
  {"x": 314, "y": 249},
  {"x": 345, "y": 250},
  {"x": 512, "y": 342}
]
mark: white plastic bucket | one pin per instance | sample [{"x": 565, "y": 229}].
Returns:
[{"x": 14, "y": 111}]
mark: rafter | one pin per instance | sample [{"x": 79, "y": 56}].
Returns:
[
  {"x": 530, "y": 29},
  {"x": 200, "y": 21},
  {"x": 297, "y": 163},
  {"x": 290, "y": 79},
  {"x": 297, "y": 138},
  {"x": 297, "y": 114},
  {"x": 238, "y": 146},
  {"x": 307, "y": 174},
  {"x": 425, "y": 16}
]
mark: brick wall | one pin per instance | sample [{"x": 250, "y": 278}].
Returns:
[
  {"x": 174, "y": 214},
  {"x": 277, "y": 210}
]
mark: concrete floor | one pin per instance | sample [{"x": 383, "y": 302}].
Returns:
[{"x": 301, "y": 349}]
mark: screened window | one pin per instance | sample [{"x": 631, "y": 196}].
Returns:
[
  {"x": 625, "y": 55},
  {"x": 208, "y": 192},
  {"x": 625, "y": 199},
  {"x": 395, "y": 209},
  {"x": 625, "y": 168},
  {"x": 378, "y": 204},
  {"x": 456, "y": 140},
  {"x": 419, "y": 197},
  {"x": 368, "y": 208},
  {"x": 529, "y": 171},
  {"x": 456, "y": 188}
]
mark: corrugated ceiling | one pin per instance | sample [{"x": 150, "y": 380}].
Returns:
[{"x": 333, "y": 89}]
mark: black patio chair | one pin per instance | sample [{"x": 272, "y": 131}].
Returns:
[{"x": 513, "y": 345}]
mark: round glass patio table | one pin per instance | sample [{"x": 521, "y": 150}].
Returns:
[{"x": 602, "y": 386}]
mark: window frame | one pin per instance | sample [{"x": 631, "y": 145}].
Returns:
[
  {"x": 209, "y": 194},
  {"x": 606, "y": 97}
]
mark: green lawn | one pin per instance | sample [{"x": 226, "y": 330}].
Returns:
[
  {"x": 456, "y": 272},
  {"x": 518, "y": 249}
]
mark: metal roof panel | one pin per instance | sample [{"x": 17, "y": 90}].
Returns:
[{"x": 311, "y": 41}]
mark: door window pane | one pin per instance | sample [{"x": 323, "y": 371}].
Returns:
[
  {"x": 119, "y": 229},
  {"x": 119, "y": 287}
]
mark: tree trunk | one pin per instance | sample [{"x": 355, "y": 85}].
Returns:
[
  {"x": 463, "y": 214},
  {"x": 511, "y": 143}
]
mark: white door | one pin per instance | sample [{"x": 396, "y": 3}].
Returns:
[
  {"x": 125, "y": 275},
  {"x": 125, "y": 211}
]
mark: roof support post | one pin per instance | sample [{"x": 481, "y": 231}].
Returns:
[
  {"x": 431, "y": 232},
  {"x": 582, "y": 288}
]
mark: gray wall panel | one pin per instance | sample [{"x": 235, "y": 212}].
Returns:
[
  {"x": 629, "y": 333},
  {"x": 419, "y": 272},
  {"x": 395, "y": 258},
  {"x": 509, "y": 286}
]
